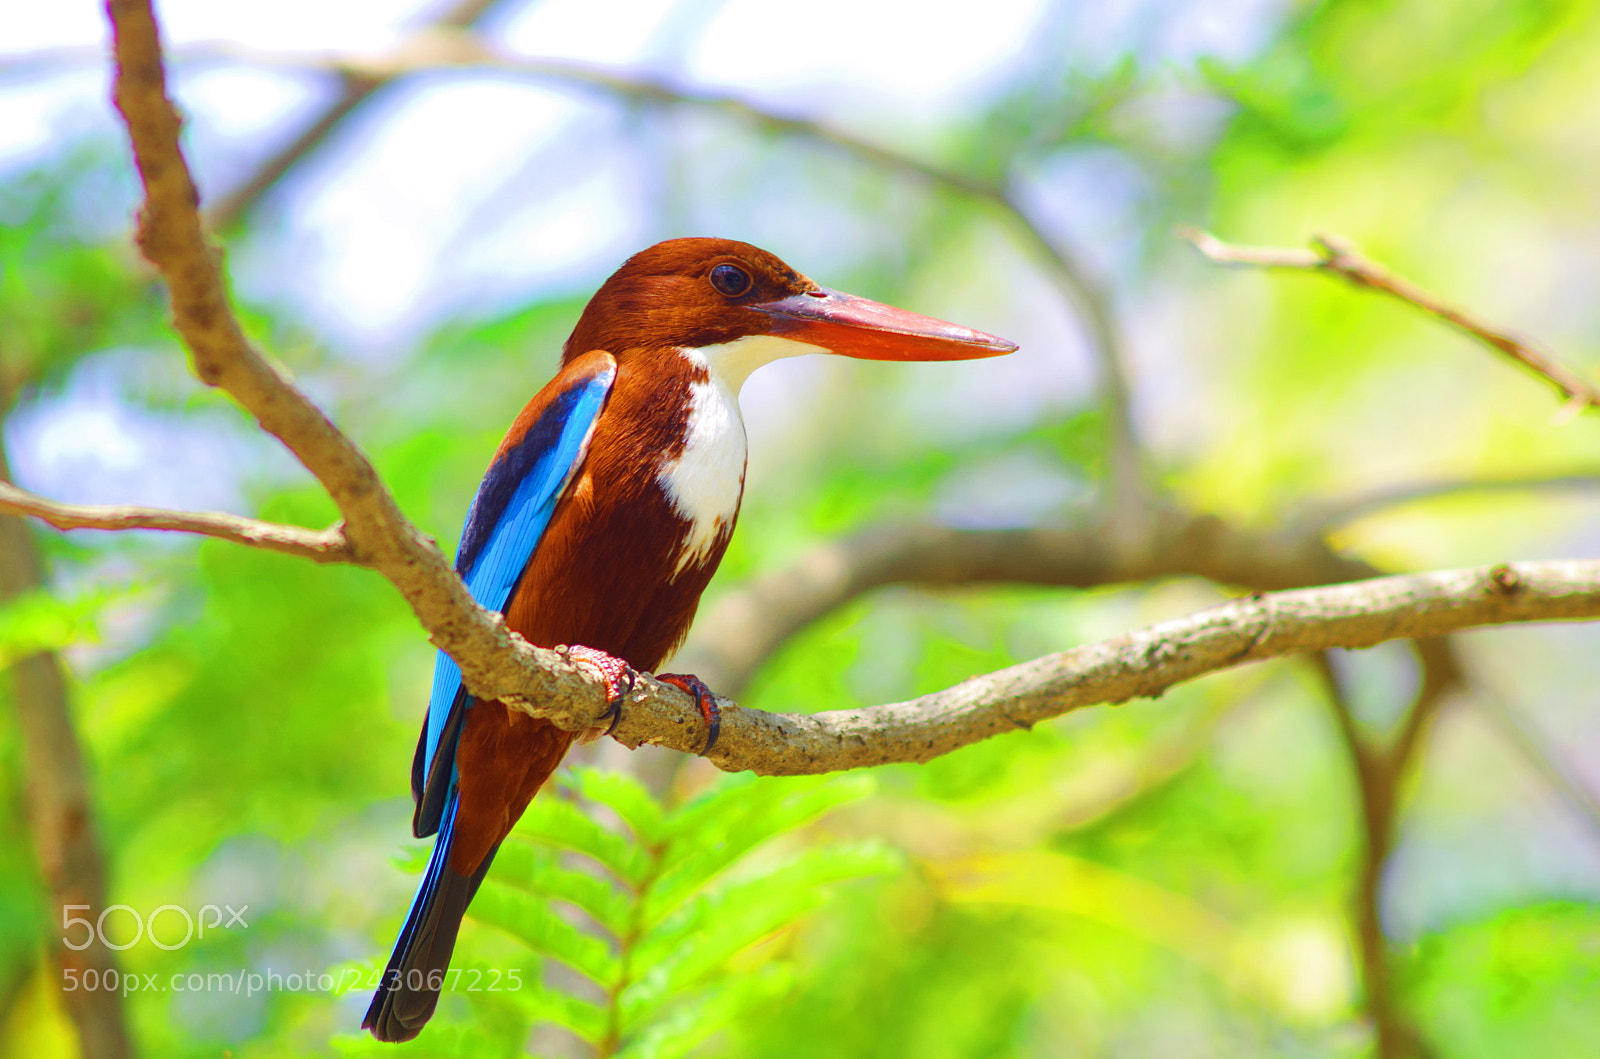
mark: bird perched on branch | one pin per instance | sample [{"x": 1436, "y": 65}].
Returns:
[{"x": 602, "y": 517}]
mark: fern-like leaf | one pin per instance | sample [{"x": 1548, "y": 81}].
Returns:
[
  {"x": 532, "y": 922},
  {"x": 559, "y": 823},
  {"x": 688, "y": 949},
  {"x": 585, "y": 1019},
  {"x": 626, "y": 796},
  {"x": 713, "y": 833},
  {"x": 691, "y": 1023},
  {"x": 527, "y": 866}
]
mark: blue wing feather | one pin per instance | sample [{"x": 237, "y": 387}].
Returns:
[{"x": 513, "y": 507}]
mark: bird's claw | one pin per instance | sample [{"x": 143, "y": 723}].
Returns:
[
  {"x": 614, "y": 703},
  {"x": 704, "y": 699},
  {"x": 617, "y": 674}
]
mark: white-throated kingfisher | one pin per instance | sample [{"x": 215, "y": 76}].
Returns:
[{"x": 602, "y": 517}]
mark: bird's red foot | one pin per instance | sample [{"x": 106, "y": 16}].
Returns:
[
  {"x": 618, "y": 675},
  {"x": 704, "y": 699}
]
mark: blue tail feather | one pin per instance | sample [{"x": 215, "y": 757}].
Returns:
[{"x": 410, "y": 987}]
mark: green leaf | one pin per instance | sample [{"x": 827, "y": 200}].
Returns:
[
  {"x": 583, "y": 1018},
  {"x": 523, "y": 864},
  {"x": 38, "y": 621},
  {"x": 623, "y": 794},
  {"x": 559, "y": 823},
  {"x": 533, "y": 922},
  {"x": 694, "y": 944},
  {"x": 802, "y": 876},
  {"x": 710, "y": 834},
  {"x": 695, "y": 1020}
]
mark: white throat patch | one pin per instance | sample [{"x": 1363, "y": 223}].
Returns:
[{"x": 706, "y": 481}]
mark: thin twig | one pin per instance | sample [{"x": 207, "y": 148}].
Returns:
[
  {"x": 1379, "y": 773},
  {"x": 323, "y": 546},
  {"x": 1441, "y": 675},
  {"x": 1374, "y": 791},
  {"x": 1336, "y": 256}
]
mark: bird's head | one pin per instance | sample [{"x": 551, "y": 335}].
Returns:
[{"x": 740, "y": 307}]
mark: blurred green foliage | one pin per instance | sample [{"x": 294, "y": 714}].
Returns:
[{"x": 1167, "y": 878}]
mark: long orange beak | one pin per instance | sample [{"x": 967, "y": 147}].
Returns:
[{"x": 869, "y": 330}]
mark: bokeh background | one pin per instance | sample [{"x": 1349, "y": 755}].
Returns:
[{"x": 1168, "y": 878}]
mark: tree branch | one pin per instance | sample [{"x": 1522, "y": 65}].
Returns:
[
  {"x": 1380, "y": 774},
  {"x": 1377, "y": 823},
  {"x": 735, "y": 636},
  {"x": 1336, "y": 256},
  {"x": 323, "y": 546},
  {"x": 1147, "y": 663}
]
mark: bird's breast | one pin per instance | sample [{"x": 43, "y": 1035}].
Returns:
[{"x": 704, "y": 482}]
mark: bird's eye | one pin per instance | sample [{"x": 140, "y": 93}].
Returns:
[{"x": 730, "y": 280}]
